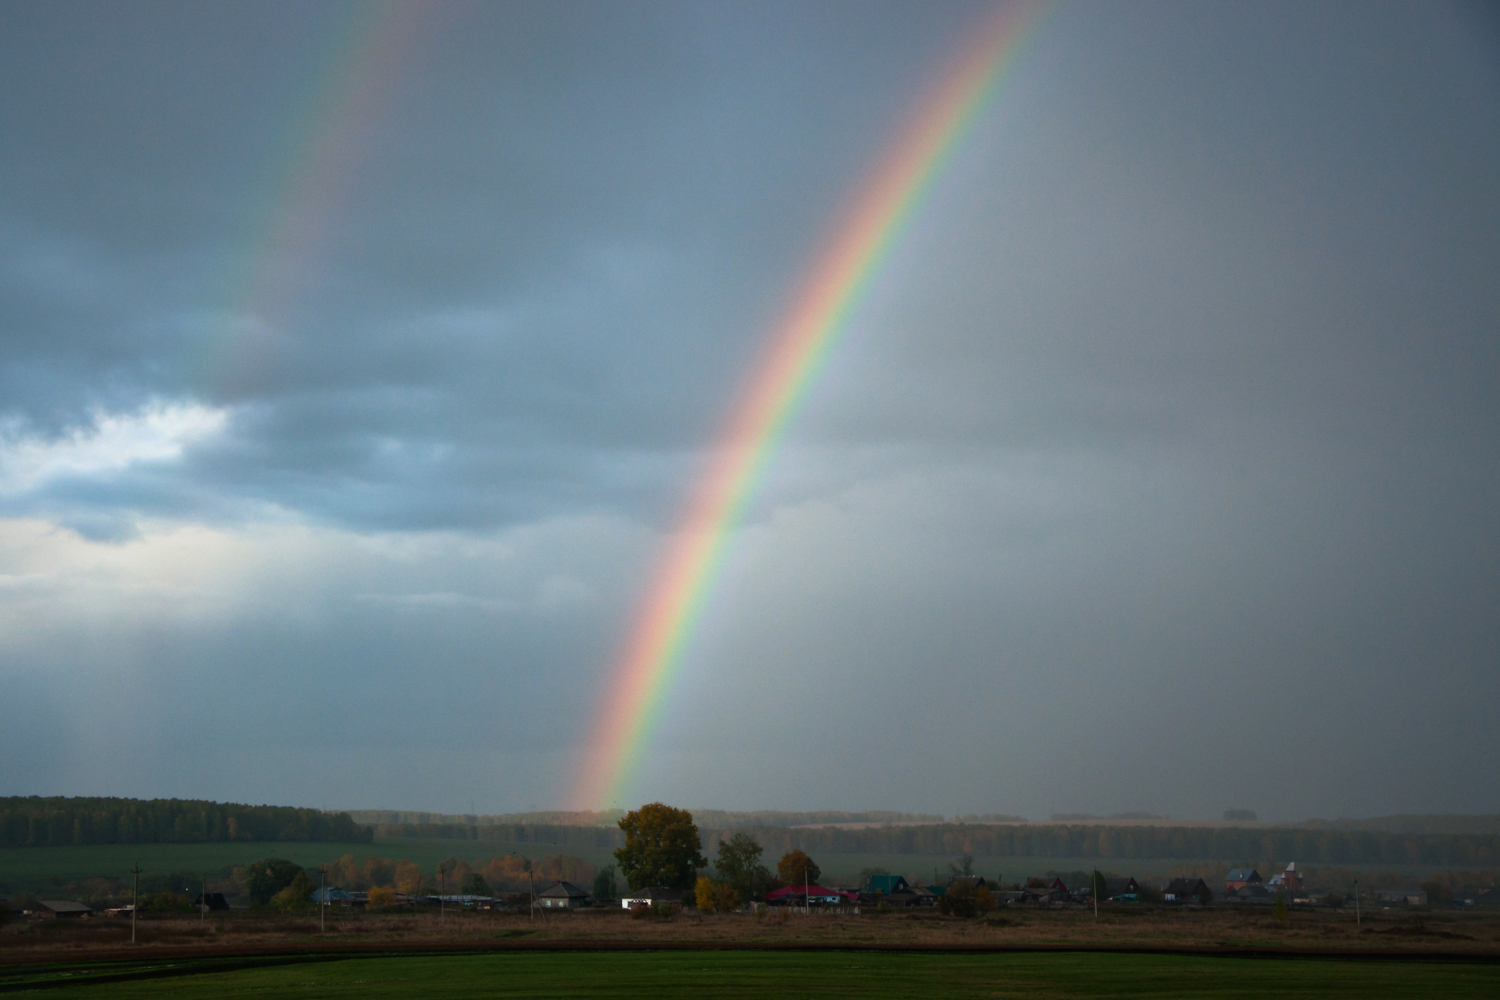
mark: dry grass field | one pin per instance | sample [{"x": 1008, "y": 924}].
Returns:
[{"x": 1123, "y": 928}]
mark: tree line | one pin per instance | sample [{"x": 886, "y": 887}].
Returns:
[
  {"x": 1061, "y": 840},
  {"x": 711, "y": 819},
  {"x": 36, "y": 821},
  {"x": 1140, "y": 842}
]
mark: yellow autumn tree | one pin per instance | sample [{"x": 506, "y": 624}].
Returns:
[
  {"x": 726, "y": 897},
  {"x": 796, "y": 868},
  {"x": 381, "y": 895},
  {"x": 408, "y": 877},
  {"x": 703, "y": 894}
]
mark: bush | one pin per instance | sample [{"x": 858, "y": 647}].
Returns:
[
  {"x": 166, "y": 902},
  {"x": 703, "y": 893},
  {"x": 660, "y": 911},
  {"x": 381, "y": 896},
  {"x": 961, "y": 900}
]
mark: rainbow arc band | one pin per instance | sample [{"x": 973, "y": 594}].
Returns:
[{"x": 795, "y": 354}]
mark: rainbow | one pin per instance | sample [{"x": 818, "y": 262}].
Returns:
[
  {"x": 305, "y": 179},
  {"x": 796, "y": 352}
]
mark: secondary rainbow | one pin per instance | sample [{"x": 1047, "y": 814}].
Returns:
[
  {"x": 795, "y": 353},
  {"x": 308, "y": 172}
]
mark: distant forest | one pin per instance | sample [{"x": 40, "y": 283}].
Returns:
[
  {"x": 713, "y": 819},
  {"x": 1187, "y": 843},
  {"x": 34, "y": 821},
  {"x": 1412, "y": 824}
]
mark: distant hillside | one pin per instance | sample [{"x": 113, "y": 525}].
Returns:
[
  {"x": 606, "y": 817},
  {"x": 36, "y": 821},
  {"x": 720, "y": 819},
  {"x": 716, "y": 819}
]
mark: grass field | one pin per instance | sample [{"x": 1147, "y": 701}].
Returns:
[
  {"x": 809, "y": 974},
  {"x": 35, "y": 868}
]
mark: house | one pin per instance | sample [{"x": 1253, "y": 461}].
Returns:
[
  {"x": 61, "y": 909},
  {"x": 650, "y": 896},
  {"x": 1288, "y": 881},
  {"x": 1114, "y": 888},
  {"x": 884, "y": 885},
  {"x": 1238, "y": 878},
  {"x": 212, "y": 901},
  {"x": 1044, "y": 890},
  {"x": 332, "y": 895},
  {"x": 1188, "y": 890},
  {"x": 1488, "y": 897},
  {"x": 563, "y": 896},
  {"x": 1401, "y": 897},
  {"x": 817, "y": 895}
]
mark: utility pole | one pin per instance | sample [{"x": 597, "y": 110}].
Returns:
[
  {"x": 442, "y": 891},
  {"x": 203, "y": 901},
  {"x": 135, "y": 899},
  {"x": 531, "y": 874},
  {"x": 1095, "y": 892},
  {"x": 1356, "y": 902},
  {"x": 322, "y": 895}
]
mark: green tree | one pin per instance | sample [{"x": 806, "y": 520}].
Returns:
[
  {"x": 604, "y": 885},
  {"x": 267, "y": 877},
  {"x": 475, "y": 885},
  {"x": 1097, "y": 885},
  {"x": 738, "y": 863},
  {"x": 1282, "y": 916},
  {"x": 297, "y": 895},
  {"x": 796, "y": 868},
  {"x": 661, "y": 847}
]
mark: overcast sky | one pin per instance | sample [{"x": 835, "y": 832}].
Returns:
[{"x": 354, "y": 364}]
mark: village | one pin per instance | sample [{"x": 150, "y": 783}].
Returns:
[{"x": 962, "y": 895}]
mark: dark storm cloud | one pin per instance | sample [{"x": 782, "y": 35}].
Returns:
[{"x": 563, "y": 233}]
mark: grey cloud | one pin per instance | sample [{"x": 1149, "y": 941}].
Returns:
[{"x": 1177, "y": 396}]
